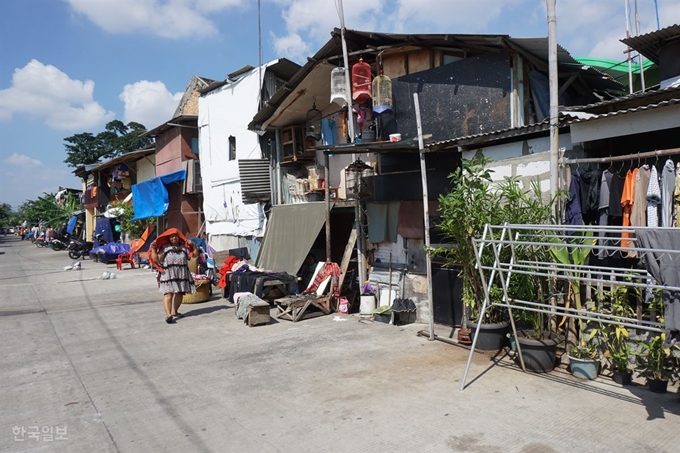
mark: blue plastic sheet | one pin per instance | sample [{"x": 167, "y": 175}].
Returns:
[
  {"x": 71, "y": 225},
  {"x": 150, "y": 198}
]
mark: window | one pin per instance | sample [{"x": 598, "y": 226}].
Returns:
[
  {"x": 194, "y": 145},
  {"x": 232, "y": 147}
]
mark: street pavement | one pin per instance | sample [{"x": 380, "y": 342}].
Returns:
[{"x": 89, "y": 365}]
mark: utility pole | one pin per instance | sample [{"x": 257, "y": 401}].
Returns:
[
  {"x": 358, "y": 213},
  {"x": 554, "y": 113},
  {"x": 628, "y": 50}
]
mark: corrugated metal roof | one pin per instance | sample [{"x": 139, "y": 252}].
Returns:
[
  {"x": 666, "y": 92},
  {"x": 170, "y": 124},
  {"x": 283, "y": 68},
  {"x": 535, "y": 49},
  {"x": 566, "y": 118},
  {"x": 134, "y": 155},
  {"x": 575, "y": 117},
  {"x": 501, "y": 134},
  {"x": 593, "y": 77},
  {"x": 649, "y": 44}
]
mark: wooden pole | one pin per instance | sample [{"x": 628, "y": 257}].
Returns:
[
  {"x": 327, "y": 198},
  {"x": 426, "y": 215},
  {"x": 348, "y": 83}
]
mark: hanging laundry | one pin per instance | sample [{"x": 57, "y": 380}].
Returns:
[
  {"x": 653, "y": 199},
  {"x": 572, "y": 211},
  {"x": 627, "y": 203},
  {"x": 615, "y": 194},
  {"x": 667, "y": 189},
  {"x": 638, "y": 216},
  {"x": 590, "y": 194},
  {"x": 604, "y": 210}
]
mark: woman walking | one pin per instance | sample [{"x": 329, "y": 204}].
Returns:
[{"x": 170, "y": 254}]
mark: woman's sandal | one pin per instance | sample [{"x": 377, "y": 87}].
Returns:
[
  {"x": 170, "y": 320},
  {"x": 178, "y": 315}
]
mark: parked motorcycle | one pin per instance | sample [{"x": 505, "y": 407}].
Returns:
[
  {"x": 59, "y": 243},
  {"x": 79, "y": 249},
  {"x": 40, "y": 242}
]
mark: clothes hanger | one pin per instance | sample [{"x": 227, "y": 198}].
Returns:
[{"x": 621, "y": 168}]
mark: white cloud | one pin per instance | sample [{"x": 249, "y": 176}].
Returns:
[
  {"x": 149, "y": 103},
  {"x": 21, "y": 160},
  {"x": 46, "y": 92},
  {"x": 166, "y": 18},
  {"x": 595, "y": 29},
  {"x": 446, "y": 16},
  {"x": 584, "y": 27},
  {"x": 217, "y": 5},
  {"x": 25, "y": 178},
  {"x": 309, "y": 22},
  {"x": 291, "y": 46}
]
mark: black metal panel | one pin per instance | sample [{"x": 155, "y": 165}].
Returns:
[
  {"x": 447, "y": 295},
  {"x": 467, "y": 97},
  {"x": 394, "y": 184},
  {"x": 409, "y": 186}
]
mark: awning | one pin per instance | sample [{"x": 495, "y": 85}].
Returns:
[
  {"x": 290, "y": 234},
  {"x": 151, "y": 197}
]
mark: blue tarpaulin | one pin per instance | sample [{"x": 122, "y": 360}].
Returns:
[
  {"x": 150, "y": 198},
  {"x": 71, "y": 224},
  {"x": 103, "y": 227}
]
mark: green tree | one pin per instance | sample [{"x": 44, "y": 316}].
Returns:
[
  {"x": 117, "y": 139},
  {"x": 7, "y": 216},
  {"x": 46, "y": 209}
]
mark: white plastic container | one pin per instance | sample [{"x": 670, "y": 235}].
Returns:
[
  {"x": 395, "y": 137},
  {"x": 367, "y": 305}
]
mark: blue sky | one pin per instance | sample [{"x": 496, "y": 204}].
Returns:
[{"x": 70, "y": 66}]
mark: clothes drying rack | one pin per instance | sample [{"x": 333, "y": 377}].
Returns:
[{"x": 504, "y": 238}]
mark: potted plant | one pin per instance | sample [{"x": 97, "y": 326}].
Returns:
[
  {"x": 619, "y": 350},
  {"x": 584, "y": 361},
  {"x": 573, "y": 257},
  {"x": 659, "y": 364},
  {"x": 474, "y": 202},
  {"x": 537, "y": 343}
]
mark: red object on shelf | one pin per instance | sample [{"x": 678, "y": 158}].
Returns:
[{"x": 362, "y": 81}]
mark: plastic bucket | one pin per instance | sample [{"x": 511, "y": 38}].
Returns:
[{"x": 367, "y": 305}]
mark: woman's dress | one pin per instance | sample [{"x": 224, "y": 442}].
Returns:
[{"x": 177, "y": 278}]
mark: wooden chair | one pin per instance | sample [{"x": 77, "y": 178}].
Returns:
[
  {"x": 293, "y": 308},
  {"x": 137, "y": 247}
]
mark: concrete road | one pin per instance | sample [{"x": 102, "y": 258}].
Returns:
[{"x": 89, "y": 365}]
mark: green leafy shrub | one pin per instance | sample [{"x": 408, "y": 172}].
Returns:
[
  {"x": 474, "y": 201},
  {"x": 133, "y": 229}
]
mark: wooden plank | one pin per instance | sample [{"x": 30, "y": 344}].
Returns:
[{"x": 346, "y": 256}]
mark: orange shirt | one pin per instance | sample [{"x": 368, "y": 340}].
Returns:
[{"x": 627, "y": 199}]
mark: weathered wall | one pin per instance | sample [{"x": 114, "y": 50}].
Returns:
[
  {"x": 526, "y": 159},
  {"x": 146, "y": 169}
]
